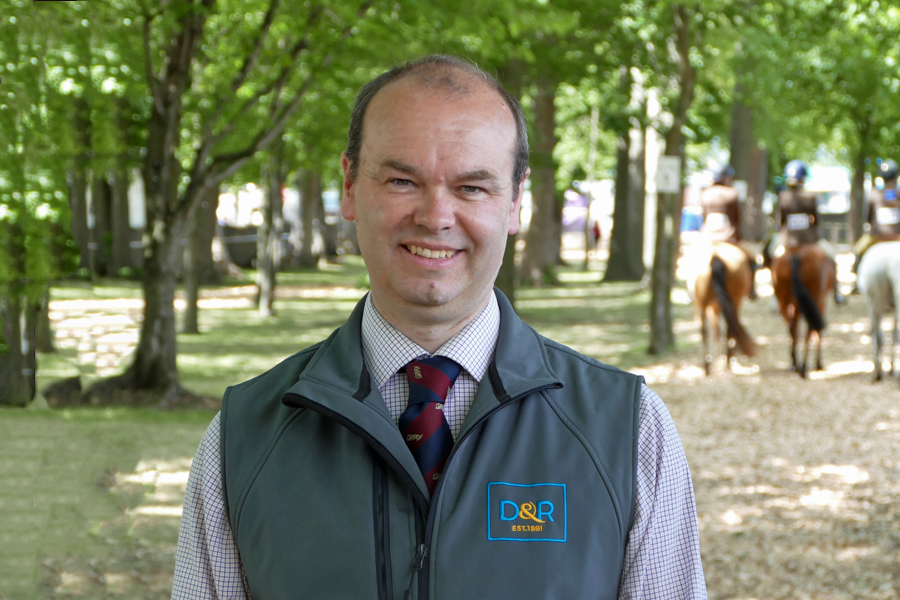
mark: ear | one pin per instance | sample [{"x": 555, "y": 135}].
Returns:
[
  {"x": 516, "y": 205},
  {"x": 348, "y": 191}
]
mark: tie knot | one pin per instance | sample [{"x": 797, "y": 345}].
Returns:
[{"x": 430, "y": 378}]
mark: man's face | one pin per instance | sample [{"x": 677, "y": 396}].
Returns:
[{"x": 433, "y": 199}]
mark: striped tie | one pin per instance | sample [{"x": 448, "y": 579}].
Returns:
[{"x": 422, "y": 424}]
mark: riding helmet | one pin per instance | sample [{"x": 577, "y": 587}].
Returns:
[
  {"x": 888, "y": 169},
  {"x": 796, "y": 170},
  {"x": 721, "y": 172}
]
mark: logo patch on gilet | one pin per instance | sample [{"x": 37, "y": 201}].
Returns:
[{"x": 526, "y": 512}]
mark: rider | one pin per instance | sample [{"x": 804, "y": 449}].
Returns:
[
  {"x": 883, "y": 221},
  {"x": 722, "y": 216},
  {"x": 798, "y": 215}
]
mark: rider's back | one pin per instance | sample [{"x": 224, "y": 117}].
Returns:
[{"x": 799, "y": 217}]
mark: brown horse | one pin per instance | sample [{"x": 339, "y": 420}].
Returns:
[
  {"x": 803, "y": 277},
  {"x": 719, "y": 289}
]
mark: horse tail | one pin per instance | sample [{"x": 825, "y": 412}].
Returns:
[
  {"x": 805, "y": 300},
  {"x": 735, "y": 329}
]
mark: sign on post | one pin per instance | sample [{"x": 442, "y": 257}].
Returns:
[
  {"x": 741, "y": 187},
  {"x": 668, "y": 175}
]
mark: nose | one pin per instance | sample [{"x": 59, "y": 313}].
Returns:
[{"x": 435, "y": 211}]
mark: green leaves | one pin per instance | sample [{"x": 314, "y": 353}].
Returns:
[{"x": 33, "y": 208}]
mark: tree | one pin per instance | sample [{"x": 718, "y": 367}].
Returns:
[
  {"x": 201, "y": 129},
  {"x": 33, "y": 208},
  {"x": 668, "y": 216}
]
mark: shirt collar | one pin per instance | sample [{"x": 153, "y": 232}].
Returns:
[{"x": 386, "y": 350}]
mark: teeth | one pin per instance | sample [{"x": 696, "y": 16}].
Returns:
[{"x": 431, "y": 253}]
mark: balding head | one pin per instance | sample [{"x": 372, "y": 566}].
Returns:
[{"x": 458, "y": 79}]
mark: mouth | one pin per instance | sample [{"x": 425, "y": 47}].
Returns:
[{"x": 428, "y": 253}]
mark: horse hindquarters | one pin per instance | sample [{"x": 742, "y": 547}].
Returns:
[{"x": 879, "y": 279}]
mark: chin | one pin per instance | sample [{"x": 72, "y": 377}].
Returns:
[{"x": 429, "y": 294}]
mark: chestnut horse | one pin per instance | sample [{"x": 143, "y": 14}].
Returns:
[
  {"x": 719, "y": 289},
  {"x": 879, "y": 280},
  {"x": 803, "y": 277}
]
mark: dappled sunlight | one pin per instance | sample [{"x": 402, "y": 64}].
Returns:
[
  {"x": 665, "y": 372},
  {"x": 167, "y": 479},
  {"x": 215, "y": 303},
  {"x": 842, "y": 368},
  {"x": 856, "y": 552},
  {"x": 823, "y": 498},
  {"x": 156, "y": 511},
  {"x": 74, "y": 583},
  {"x": 847, "y": 474}
]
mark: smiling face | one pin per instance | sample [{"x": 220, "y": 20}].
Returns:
[{"x": 433, "y": 199}]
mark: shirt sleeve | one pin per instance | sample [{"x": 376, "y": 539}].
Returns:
[
  {"x": 662, "y": 556},
  {"x": 207, "y": 563}
]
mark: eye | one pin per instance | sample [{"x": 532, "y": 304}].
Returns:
[
  {"x": 471, "y": 189},
  {"x": 400, "y": 182}
]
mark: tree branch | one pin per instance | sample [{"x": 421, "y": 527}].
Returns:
[
  {"x": 250, "y": 59},
  {"x": 223, "y": 166},
  {"x": 152, "y": 79}
]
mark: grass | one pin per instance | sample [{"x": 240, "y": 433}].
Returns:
[
  {"x": 236, "y": 343},
  {"x": 68, "y": 524},
  {"x": 90, "y": 498}
]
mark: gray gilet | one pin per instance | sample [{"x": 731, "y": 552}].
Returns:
[{"x": 535, "y": 502}]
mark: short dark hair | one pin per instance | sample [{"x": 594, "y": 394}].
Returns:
[{"x": 437, "y": 70}]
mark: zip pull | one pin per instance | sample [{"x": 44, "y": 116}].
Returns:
[{"x": 417, "y": 564}]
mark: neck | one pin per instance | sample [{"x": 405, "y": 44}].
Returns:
[{"x": 427, "y": 327}]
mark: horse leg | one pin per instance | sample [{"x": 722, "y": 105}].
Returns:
[
  {"x": 717, "y": 331},
  {"x": 792, "y": 326},
  {"x": 705, "y": 338},
  {"x": 803, "y": 367},
  {"x": 819, "y": 365},
  {"x": 877, "y": 341}
]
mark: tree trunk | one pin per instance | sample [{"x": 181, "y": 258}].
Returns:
[
  {"x": 745, "y": 156},
  {"x": 101, "y": 239},
  {"x": 668, "y": 216},
  {"x": 18, "y": 386},
  {"x": 310, "y": 197},
  {"x": 154, "y": 366},
  {"x": 506, "y": 277},
  {"x": 742, "y": 138},
  {"x": 541, "y": 249},
  {"x": 512, "y": 75},
  {"x": 617, "y": 265},
  {"x": 120, "y": 227},
  {"x": 754, "y": 221},
  {"x": 78, "y": 179},
  {"x": 190, "y": 274},
  {"x": 626, "y": 260},
  {"x": 328, "y": 225},
  {"x": 43, "y": 334},
  {"x": 120, "y": 223},
  {"x": 206, "y": 230},
  {"x": 268, "y": 245},
  {"x": 857, "y": 216}
]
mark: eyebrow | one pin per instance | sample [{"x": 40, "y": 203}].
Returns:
[
  {"x": 399, "y": 166},
  {"x": 476, "y": 175}
]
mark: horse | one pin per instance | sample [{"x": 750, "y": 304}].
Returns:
[
  {"x": 879, "y": 279},
  {"x": 719, "y": 288},
  {"x": 803, "y": 277}
]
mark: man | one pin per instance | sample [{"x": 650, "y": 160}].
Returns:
[
  {"x": 722, "y": 216},
  {"x": 883, "y": 216},
  {"x": 798, "y": 215},
  {"x": 537, "y": 473}
]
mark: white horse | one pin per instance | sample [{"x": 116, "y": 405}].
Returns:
[{"x": 879, "y": 279}]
